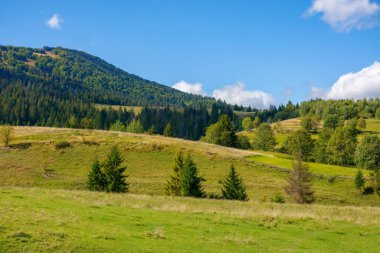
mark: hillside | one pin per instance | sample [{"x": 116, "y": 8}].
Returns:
[
  {"x": 34, "y": 161},
  {"x": 45, "y": 205},
  {"x": 97, "y": 80}
]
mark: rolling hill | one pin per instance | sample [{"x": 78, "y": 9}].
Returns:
[
  {"x": 45, "y": 205},
  {"x": 90, "y": 76}
]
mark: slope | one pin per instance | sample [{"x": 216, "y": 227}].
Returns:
[
  {"x": 35, "y": 160},
  {"x": 99, "y": 81}
]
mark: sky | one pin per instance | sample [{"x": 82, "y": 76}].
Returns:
[{"x": 250, "y": 52}]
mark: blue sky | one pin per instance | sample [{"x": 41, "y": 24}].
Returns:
[{"x": 250, "y": 52}]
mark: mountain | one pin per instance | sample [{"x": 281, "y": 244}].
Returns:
[{"x": 91, "y": 77}]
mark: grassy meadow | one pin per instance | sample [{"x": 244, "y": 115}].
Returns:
[
  {"x": 46, "y": 220},
  {"x": 45, "y": 207},
  {"x": 34, "y": 161}
]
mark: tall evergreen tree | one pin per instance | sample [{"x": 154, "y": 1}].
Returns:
[
  {"x": 191, "y": 183},
  {"x": 299, "y": 183},
  {"x": 96, "y": 178},
  {"x": 173, "y": 186},
  {"x": 233, "y": 186},
  {"x": 114, "y": 172}
]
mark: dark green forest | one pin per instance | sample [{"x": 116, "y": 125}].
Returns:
[{"x": 59, "y": 87}]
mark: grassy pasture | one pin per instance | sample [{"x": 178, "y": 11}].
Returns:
[
  {"x": 34, "y": 161},
  {"x": 51, "y": 220}
]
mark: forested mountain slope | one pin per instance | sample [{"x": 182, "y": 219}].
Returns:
[{"x": 96, "y": 81}]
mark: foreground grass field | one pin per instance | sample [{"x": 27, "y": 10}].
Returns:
[
  {"x": 34, "y": 161},
  {"x": 51, "y": 220},
  {"x": 44, "y": 206}
]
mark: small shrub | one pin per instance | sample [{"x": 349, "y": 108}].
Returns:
[
  {"x": 368, "y": 190},
  {"x": 62, "y": 145},
  {"x": 23, "y": 145},
  {"x": 331, "y": 179},
  {"x": 278, "y": 198}
]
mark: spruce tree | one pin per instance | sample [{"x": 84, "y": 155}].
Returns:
[
  {"x": 114, "y": 172},
  {"x": 359, "y": 180},
  {"x": 191, "y": 183},
  {"x": 233, "y": 186},
  {"x": 299, "y": 183},
  {"x": 173, "y": 186},
  {"x": 96, "y": 180}
]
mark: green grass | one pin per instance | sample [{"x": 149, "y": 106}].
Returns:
[
  {"x": 135, "y": 109},
  {"x": 285, "y": 161},
  {"x": 149, "y": 161},
  {"x": 373, "y": 125},
  {"x": 43, "y": 220},
  {"x": 44, "y": 206}
]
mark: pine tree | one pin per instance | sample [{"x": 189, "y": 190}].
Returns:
[
  {"x": 359, "y": 180},
  {"x": 191, "y": 183},
  {"x": 168, "y": 131},
  {"x": 299, "y": 183},
  {"x": 96, "y": 180},
  {"x": 233, "y": 186},
  {"x": 173, "y": 186},
  {"x": 114, "y": 172}
]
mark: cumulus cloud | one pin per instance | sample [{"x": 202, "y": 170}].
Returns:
[
  {"x": 54, "y": 22},
  {"x": 237, "y": 94},
  {"x": 344, "y": 15},
  {"x": 195, "y": 88},
  {"x": 362, "y": 84}
]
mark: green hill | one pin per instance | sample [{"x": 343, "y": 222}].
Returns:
[
  {"x": 34, "y": 161},
  {"x": 96, "y": 79},
  {"x": 45, "y": 206}
]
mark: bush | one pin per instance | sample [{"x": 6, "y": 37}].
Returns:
[
  {"x": 278, "y": 198},
  {"x": 6, "y": 134},
  {"x": 62, "y": 145}
]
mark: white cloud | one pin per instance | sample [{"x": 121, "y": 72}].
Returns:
[
  {"x": 54, "y": 22},
  {"x": 184, "y": 86},
  {"x": 344, "y": 15},
  {"x": 237, "y": 94},
  {"x": 362, "y": 84}
]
